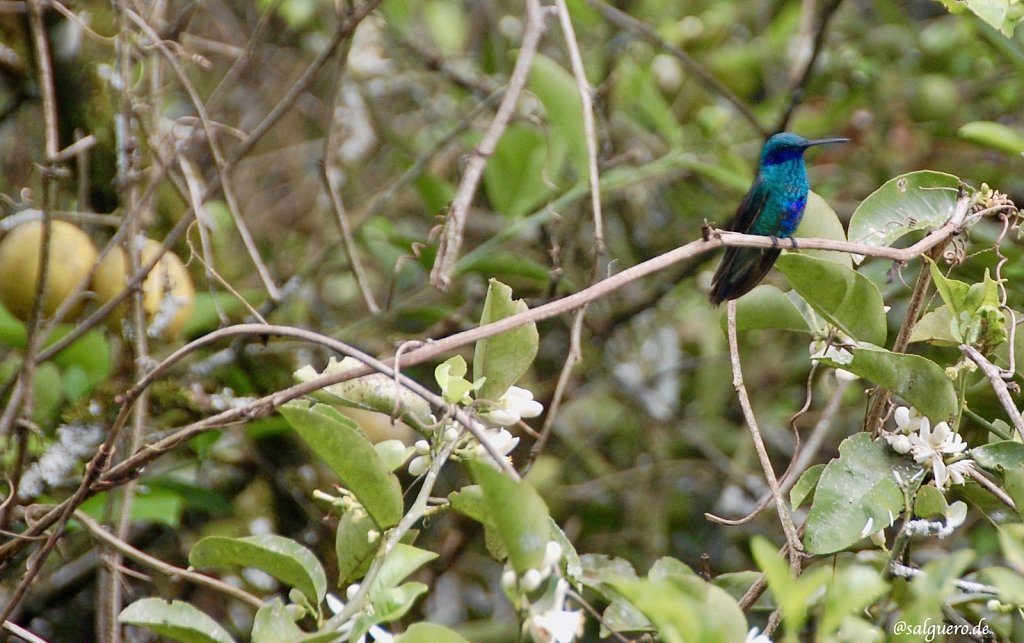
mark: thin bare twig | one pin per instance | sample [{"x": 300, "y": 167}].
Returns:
[
  {"x": 334, "y": 193},
  {"x": 563, "y": 381},
  {"x": 801, "y": 72},
  {"x": 795, "y": 546},
  {"x": 166, "y": 569},
  {"x": 451, "y": 239},
  {"x": 998, "y": 385},
  {"x": 589, "y": 129}
]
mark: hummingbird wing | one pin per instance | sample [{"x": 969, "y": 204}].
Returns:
[{"x": 743, "y": 268}]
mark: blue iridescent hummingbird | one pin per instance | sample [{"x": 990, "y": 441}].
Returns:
[{"x": 773, "y": 207}]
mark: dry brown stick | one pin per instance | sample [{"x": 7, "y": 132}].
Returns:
[
  {"x": 451, "y": 236},
  {"x": 998, "y": 385},
  {"x": 563, "y": 381},
  {"x": 334, "y": 193},
  {"x": 230, "y": 197},
  {"x": 166, "y": 569},
  {"x": 795, "y": 546},
  {"x": 589, "y": 128},
  {"x": 343, "y": 30}
]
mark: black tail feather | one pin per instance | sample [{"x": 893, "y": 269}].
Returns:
[{"x": 741, "y": 269}]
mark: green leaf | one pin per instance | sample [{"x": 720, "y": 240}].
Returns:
[
  {"x": 993, "y": 135},
  {"x": 846, "y": 298},
  {"x": 505, "y": 357},
  {"x": 684, "y": 607},
  {"x": 636, "y": 94},
  {"x": 853, "y": 589},
  {"x": 1002, "y": 15},
  {"x": 857, "y": 494},
  {"x": 282, "y": 558},
  {"x": 176, "y": 620},
  {"x": 353, "y": 545},
  {"x": 820, "y": 221},
  {"x": 1011, "y": 541},
  {"x": 342, "y": 445},
  {"x": 767, "y": 307},
  {"x": 273, "y": 623},
  {"x": 506, "y": 264},
  {"x": 1003, "y": 455},
  {"x": 804, "y": 487},
  {"x": 393, "y": 603},
  {"x": 520, "y": 516},
  {"x": 556, "y": 89},
  {"x": 1009, "y": 583},
  {"x": 793, "y": 595},
  {"x": 399, "y": 563},
  {"x": 933, "y": 588},
  {"x": 919, "y": 381},
  {"x": 929, "y": 502},
  {"x": 429, "y": 633},
  {"x": 934, "y": 328},
  {"x": 514, "y": 176},
  {"x": 914, "y": 201}
]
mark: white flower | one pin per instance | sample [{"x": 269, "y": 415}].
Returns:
[
  {"x": 515, "y": 404},
  {"x": 502, "y": 441},
  {"x": 549, "y": 621},
  {"x": 557, "y": 626},
  {"x": 419, "y": 465},
  {"x": 867, "y": 529},
  {"x": 956, "y": 513},
  {"x": 755, "y": 636},
  {"x": 931, "y": 445},
  {"x": 898, "y": 443},
  {"x": 908, "y": 420},
  {"x": 959, "y": 470}
]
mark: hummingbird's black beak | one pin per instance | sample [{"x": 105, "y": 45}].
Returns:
[{"x": 828, "y": 141}]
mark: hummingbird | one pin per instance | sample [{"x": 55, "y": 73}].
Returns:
[{"x": 772, "y": 207}]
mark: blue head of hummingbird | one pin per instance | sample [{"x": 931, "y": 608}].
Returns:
[{"x": 773, "y": 207}]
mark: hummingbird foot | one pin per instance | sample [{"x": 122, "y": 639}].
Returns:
[
  {"x": 792, "y": 242},
  {"x": 775, "y": 240}
]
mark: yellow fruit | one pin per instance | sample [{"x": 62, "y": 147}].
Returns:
[
  {"x": 167, "y": 293},
  {"x": 72, "y": 255}
]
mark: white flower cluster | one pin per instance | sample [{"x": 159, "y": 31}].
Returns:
[
  {"x": 915, "y": 435},
  {"x": 549, "y": 621},
  {"x": 515, "y": 404}
]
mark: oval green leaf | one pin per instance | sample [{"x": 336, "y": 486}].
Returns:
[
  {"x": 857, "y": 494},
  {"x": 343, "y": 446},
  {"x": 820, "y": 221},
  {"x": 993, "y": 135},
  {"x": 503, "y": 358},
  {"x": 843, "y": 296},
  {"x": 914, "y": 201},
  {"x": 514, "y": 176},
  {"x": 282, "y": 558},
  {"x": 519, "y": 514},
  {"x": 176, "y": 620},
  {"x": 429, "y": 633},
  {"x": 353, "y": 545},
  {"x": 919, "y": 381},
  {"x": 767, "y": 307}
]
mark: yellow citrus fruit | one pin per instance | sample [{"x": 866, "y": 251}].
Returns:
[
  {"x": 167, "y": 293},
  {"x": 72, "y": 255}
]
